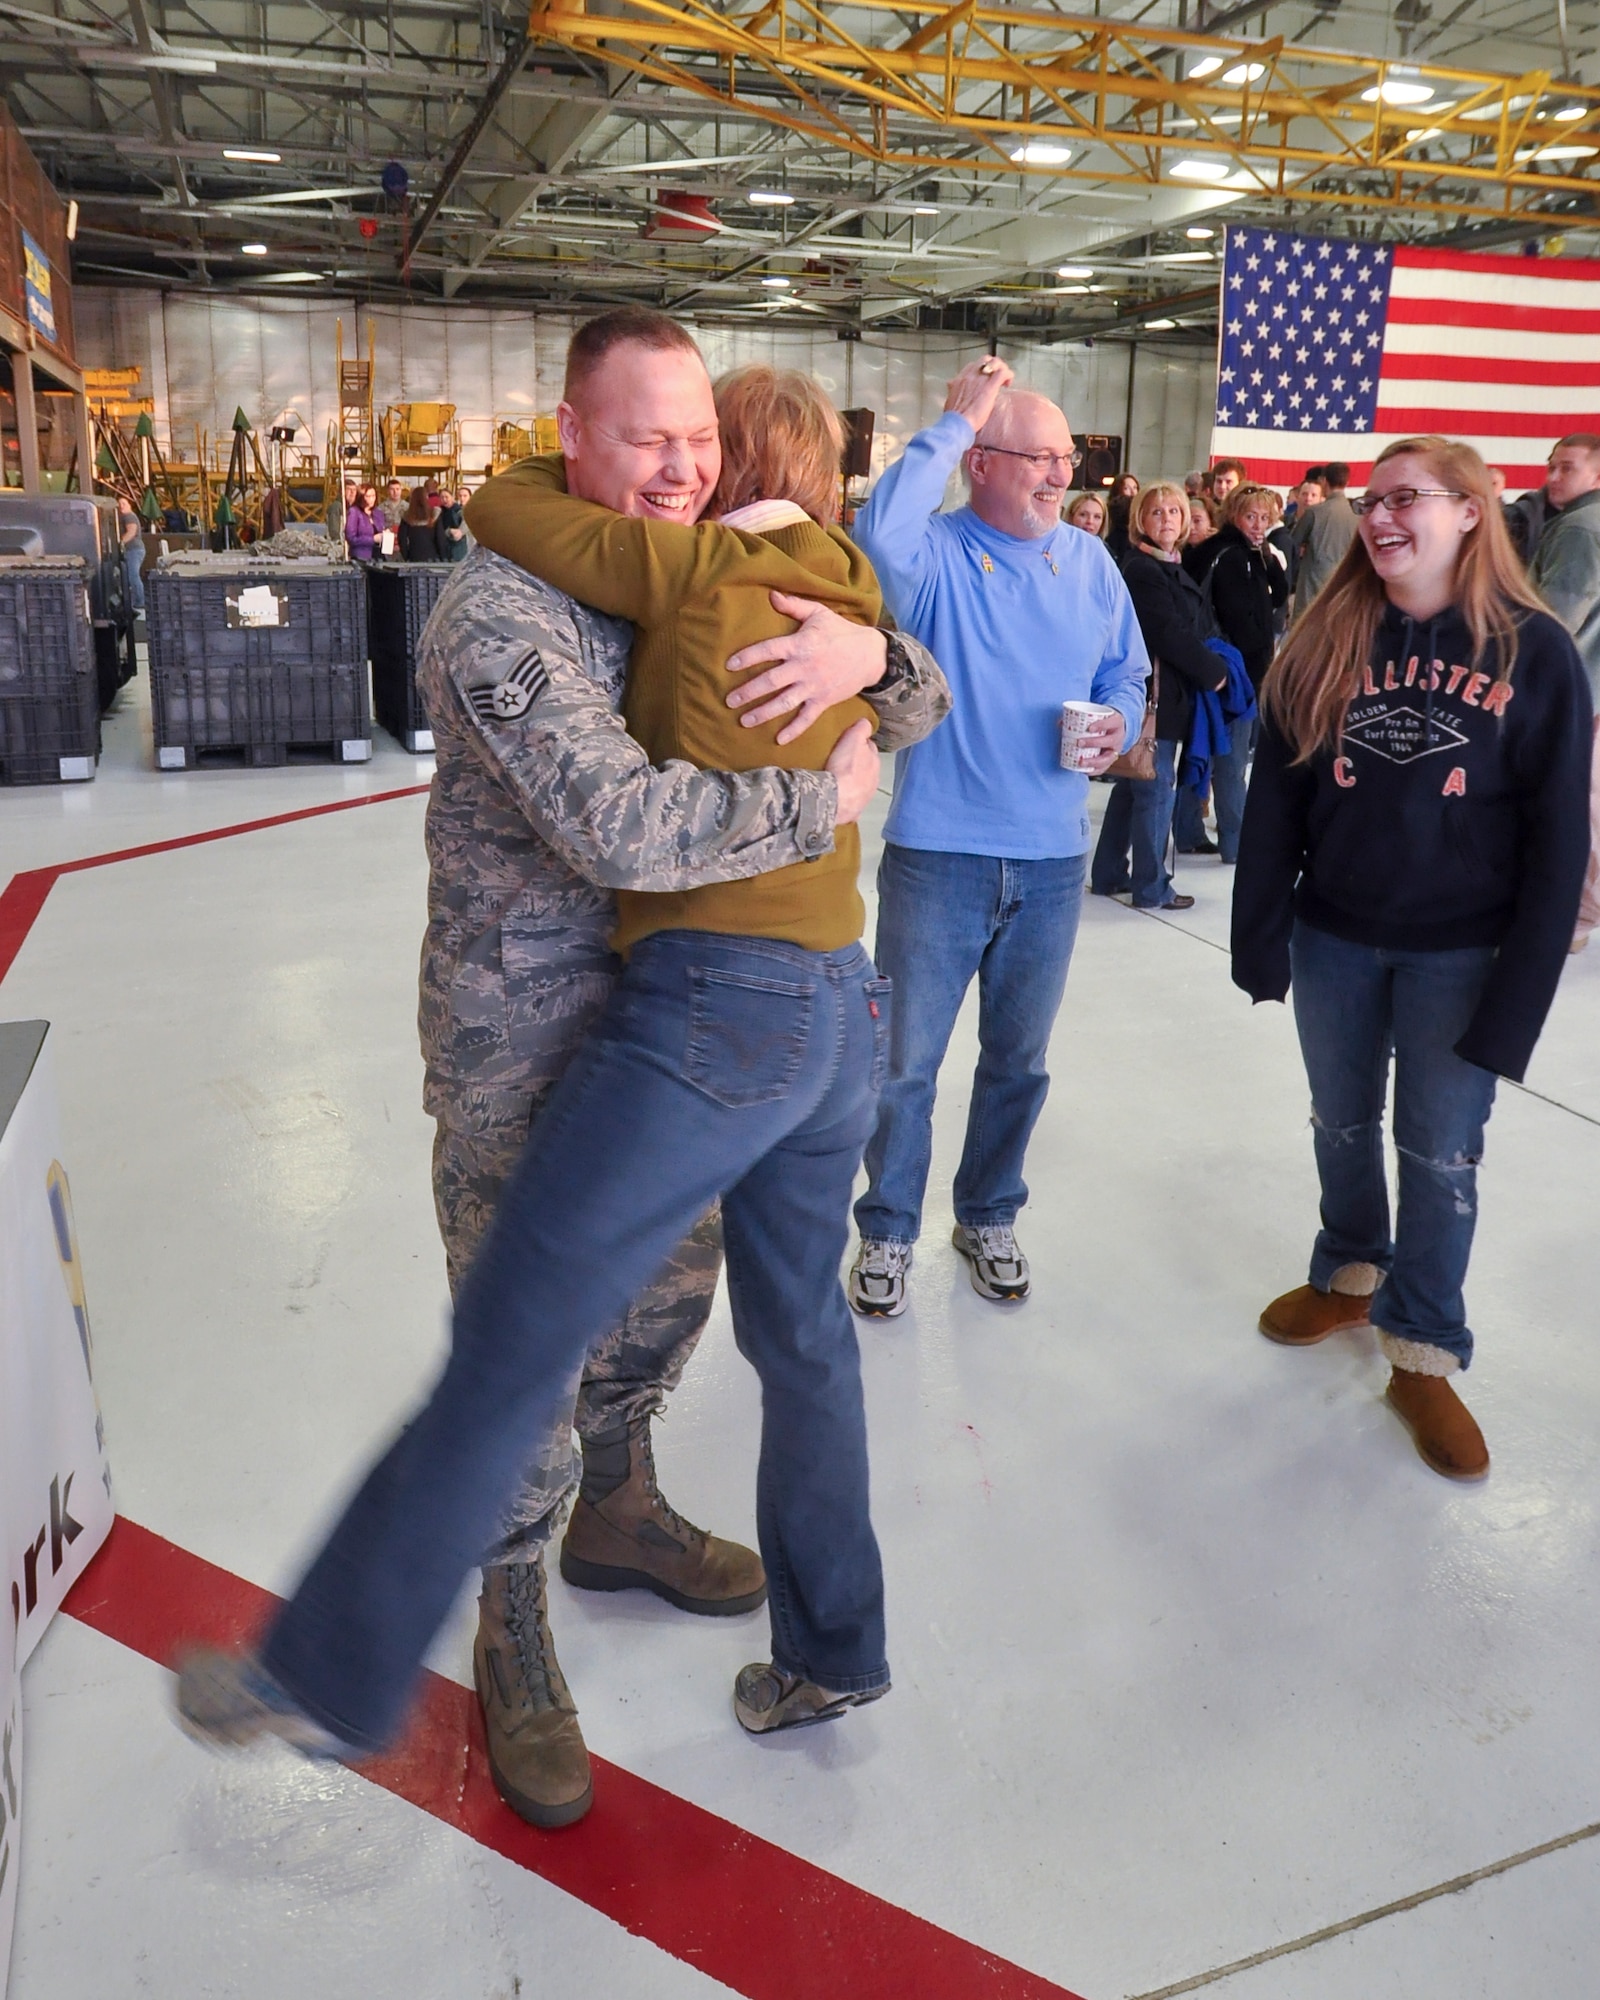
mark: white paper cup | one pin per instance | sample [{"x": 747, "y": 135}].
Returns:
[{"x": 1076, "y": 717}]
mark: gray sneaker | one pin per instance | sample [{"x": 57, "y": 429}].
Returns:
[
  {"x": 999, "y": 1269},
  {"x": 229, "y": 1700},
  {"x": 765, "y": 1698},
  {"x": 877, "y": 1286}
]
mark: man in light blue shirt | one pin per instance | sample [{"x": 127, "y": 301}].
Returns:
[{"x": 988, "y": 837}]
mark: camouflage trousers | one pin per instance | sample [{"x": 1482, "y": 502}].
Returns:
[{"x": 629, "y": 1371}]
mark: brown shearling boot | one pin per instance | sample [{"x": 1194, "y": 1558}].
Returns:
[
  {"x": 1304, "y": 1316},
  {"x": 624, "y": 1536},
  {"x": 1447, "y": 1436},
  {"x": 537, "y": 1756}
]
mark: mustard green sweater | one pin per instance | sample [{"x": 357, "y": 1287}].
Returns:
[{"x": 696, "y": 595}]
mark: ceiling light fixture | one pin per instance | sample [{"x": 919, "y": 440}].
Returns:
[
  {"x": 294, "y": 278},
  {"x": 1561, "y": 153},
  {"x": 923, "y": 208},
  {"x": 1570, "y": 111},
  {"x": 1198, "y": 233},
  {"x": 1390, "y": 91},
  {"x": 1074, "y": 270},
  {"x": 1041, "y": 153},
  {"x": 1244, "y": 73},
  {"x": 1199, "y": 170},
  {"x": 253, "y": 155},
  {"x": 253, "y": 249},
  {"x": 769, "y": 198},
  {"x": 1207, "y": 66},
  {"x": 776, "y": 284},
  {"x": 1159, "y": 325},
  {"x": 72, "y": 222}
]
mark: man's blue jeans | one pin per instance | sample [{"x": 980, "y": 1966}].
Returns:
[
  {"x": 1355, "y": 1007},
  {"x": 941, "y": 919},
  {"x": 1138, "y": 814},
  {"x": 722, "y": 1066}
]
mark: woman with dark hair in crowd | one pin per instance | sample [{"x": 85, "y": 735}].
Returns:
[
  {"x": 1247, "y": 585},
  {"x": 360, "y": 527},
  {"x": 419, "y": 539},
  {"x": 1087, "y": 511},
  {"x": 1414, "y": 846},
  {"x": 455, "y": 543},
  {"x": 1202, "y": 533},
  {"x": 1175, "y": 622},
  {"x": 1124, "y": 492}
]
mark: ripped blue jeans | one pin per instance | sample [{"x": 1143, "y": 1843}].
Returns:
[{"x": 1356, "y": 1007}]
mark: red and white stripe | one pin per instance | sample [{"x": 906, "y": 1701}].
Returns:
[{"x": 1501, "y": 351}]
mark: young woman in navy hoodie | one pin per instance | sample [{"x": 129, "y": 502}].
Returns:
[{"x": 1413, "y": 847}]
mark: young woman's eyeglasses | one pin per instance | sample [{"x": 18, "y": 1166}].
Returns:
[
  {"x": 1399, "y": 499},
  {"x": 1041, "y": 461}
]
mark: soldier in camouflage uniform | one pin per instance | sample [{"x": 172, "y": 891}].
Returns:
[{"x": 542, "y": 805}]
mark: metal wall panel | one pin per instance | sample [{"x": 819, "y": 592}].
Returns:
[{"x": 202, "y": 358}]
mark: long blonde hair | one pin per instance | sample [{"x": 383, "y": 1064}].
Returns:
[{"x": 1312, "y": 682}]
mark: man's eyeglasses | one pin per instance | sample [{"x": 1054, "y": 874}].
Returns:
[
  {"x": 1399, "y": 499},
  {"x": 1041, "y": 461}
]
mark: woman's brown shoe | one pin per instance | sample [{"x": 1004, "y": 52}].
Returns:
[
  {"x": 1447, "y": 1437},
  {"x": 1304, "y": 1316}
]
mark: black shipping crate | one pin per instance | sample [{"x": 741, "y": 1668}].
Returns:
[
  {"x": 259, "y": 657},
  {"x": 49, "y": 692},
  {"x": 399, "y": 598},
  {"x": 76, "y": 524}
]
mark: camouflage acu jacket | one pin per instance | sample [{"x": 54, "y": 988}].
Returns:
[{"x": 542, "y": 805}]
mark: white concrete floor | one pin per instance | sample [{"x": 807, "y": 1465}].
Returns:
[{"x": 1193, "y": 1657}]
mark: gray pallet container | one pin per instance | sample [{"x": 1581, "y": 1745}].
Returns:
[
  {"x": 49, "y": 687},
  {"x": 257, "y": 659}
]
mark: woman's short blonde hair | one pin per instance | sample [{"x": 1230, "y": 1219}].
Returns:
[
  {"x": 1079, "y": 501},
  {"x": 1161, "y": 489},
  {"x": 781, "y": 440}
]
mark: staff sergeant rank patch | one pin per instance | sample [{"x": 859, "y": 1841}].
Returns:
[{"x": 514, "y": 695}]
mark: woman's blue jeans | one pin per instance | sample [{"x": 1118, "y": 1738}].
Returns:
[
  {"x": 1138, "y": 815},
  {"x": 1356, "y": 1007},
  {"x": 722, "y": 1066},
  {"x": 944, "y": 919}
]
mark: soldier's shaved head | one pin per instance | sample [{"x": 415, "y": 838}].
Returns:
[
  {"x": 638, "y": 424},
  {"x": 627, "y": 326}
]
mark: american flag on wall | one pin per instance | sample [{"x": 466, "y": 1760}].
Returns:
[{"x": 1331, "y": 349}]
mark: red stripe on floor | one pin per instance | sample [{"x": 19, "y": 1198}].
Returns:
[
  {"x": 734, "y": 1906},
  {"x": 20, "y": 902},
  {"x": 244, "y": 826},
  {"x": 24, "y": 896}
]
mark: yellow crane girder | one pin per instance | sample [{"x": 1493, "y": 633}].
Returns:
[{"x": 1280, "y": 117}]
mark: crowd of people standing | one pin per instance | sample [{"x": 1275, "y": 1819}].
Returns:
[
  {"x": 651, "y": 1029},
  {"x": 425, "y": 525}
]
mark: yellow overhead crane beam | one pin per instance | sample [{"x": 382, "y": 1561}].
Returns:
[{"x": 1279, "y": 118}]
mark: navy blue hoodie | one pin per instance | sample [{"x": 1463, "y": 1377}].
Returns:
[{"x": 1455, "y": 812}]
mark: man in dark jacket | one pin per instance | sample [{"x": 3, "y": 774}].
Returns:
[
  {"x": 1320, "y": 537},
  {"x": 1566, "y": 569}
]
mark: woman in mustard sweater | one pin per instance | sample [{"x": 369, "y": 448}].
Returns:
[{"x": 696, "y": 595}]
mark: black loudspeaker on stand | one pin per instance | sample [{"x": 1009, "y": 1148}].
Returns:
[
  {"x": 1102, "y": 461},
  {"x": 858, "y": 428}
]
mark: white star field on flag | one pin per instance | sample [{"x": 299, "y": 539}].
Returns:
[{"x": 1302, "y": 331}]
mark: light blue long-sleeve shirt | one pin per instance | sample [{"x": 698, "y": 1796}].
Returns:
[{"x": 1019, "y": 627}]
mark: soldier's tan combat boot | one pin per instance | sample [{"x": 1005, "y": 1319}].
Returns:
[
  {"x": 624, "y": 1536},
  {"x": 536, "y": 1750}
]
